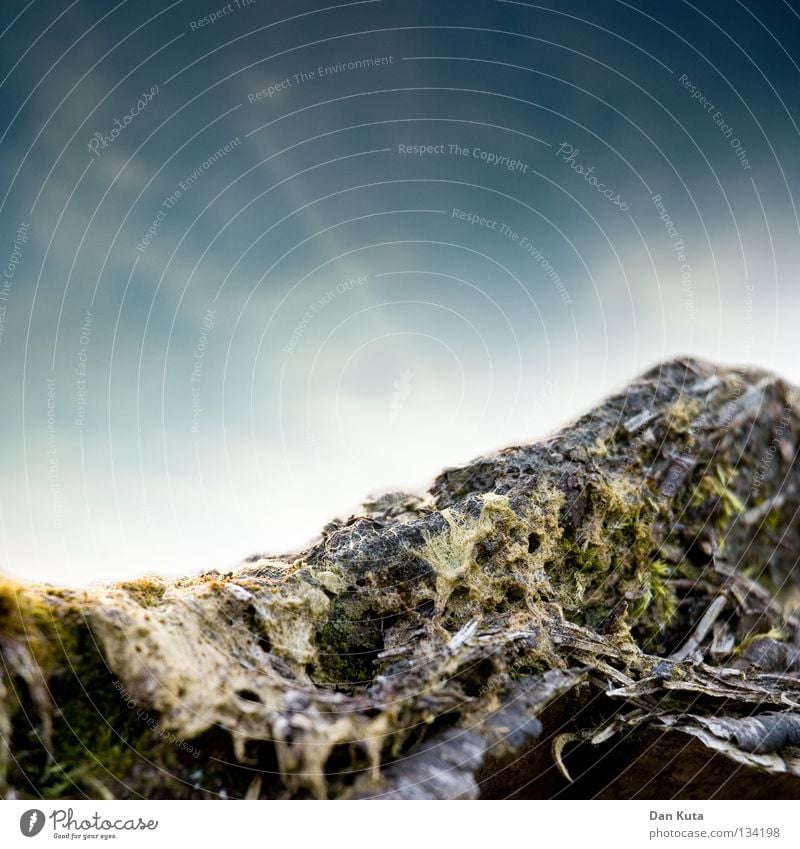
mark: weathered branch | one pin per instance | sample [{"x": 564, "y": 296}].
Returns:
[{"x": 605, "y": 613}]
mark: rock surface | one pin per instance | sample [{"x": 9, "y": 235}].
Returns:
[{"x": 607, "y": 613}]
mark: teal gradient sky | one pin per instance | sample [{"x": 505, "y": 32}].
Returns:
[{"x": 251, "y": 302}]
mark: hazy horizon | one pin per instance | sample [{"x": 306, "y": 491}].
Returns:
[{"x": 264, "y": 260}]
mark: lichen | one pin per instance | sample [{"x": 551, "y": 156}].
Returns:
[
  {"x": 291, "y": 622},
  {"x": 323, "y": 674},
  {"x": 479, "y": 562}
]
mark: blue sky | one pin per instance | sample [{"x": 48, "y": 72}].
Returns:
[{"x": 263, "y": 259}]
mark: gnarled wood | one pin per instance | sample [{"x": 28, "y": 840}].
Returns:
[{"x": 551, "y": 620}]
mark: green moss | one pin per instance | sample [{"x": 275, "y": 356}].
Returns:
[
  {"x": 773, "y": 634},
  {"x": 94, "y": 736},
  {"x": 36, "y": 640},
  {"x": 774, "y": 520},
  {"x": 611, "y": 557},
  {"x": 544, "y": 524},
  {"x": 81, "y": 738},
  {"x": 570, "y": 570},
  {"x": 346, "y": 652},
  {"x": 92, "y": 752},
  {"x": 34, "y": 617},
  {"x": 147, "y": 590},
  {"x": 716, "y": 493},
  {"x": 655, "y": 595}
]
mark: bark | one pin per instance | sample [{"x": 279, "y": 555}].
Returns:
[{"x": 609, "y": 612}]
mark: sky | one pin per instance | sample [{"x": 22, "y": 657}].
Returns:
[{"x": 263, "y": 259}]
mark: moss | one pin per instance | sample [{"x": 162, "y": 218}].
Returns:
[
  {"x": 97, "y": 738},
  {"x": 774, "y": 520},
  {"x": 37, "y": 640},
  {"x": 346, "y": 652},
  {"x": 599, "y": 448},
  {"x": 681, "y": 414},
  {"x": 716, "y": 491},
  {"x": 611, "y": 557},
  {"x": 34, "y": 617},
  {"x": 476, "y": 561},
  {"x": 77, "y": 741},
  {"x": 147, "y": 590},
  {"x": 571, "y": 567},
  {"x": 772, "y": 634},
  {"x": 655, "y": 595},
  {"x": 450, "y": 554}
]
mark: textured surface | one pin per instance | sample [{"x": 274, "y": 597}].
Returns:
[{"x": 543, "y": 614}]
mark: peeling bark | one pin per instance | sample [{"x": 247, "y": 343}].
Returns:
[{"x": 559, "y": 619}]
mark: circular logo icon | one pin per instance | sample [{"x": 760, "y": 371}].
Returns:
[{"x": 31, "y": 822}]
